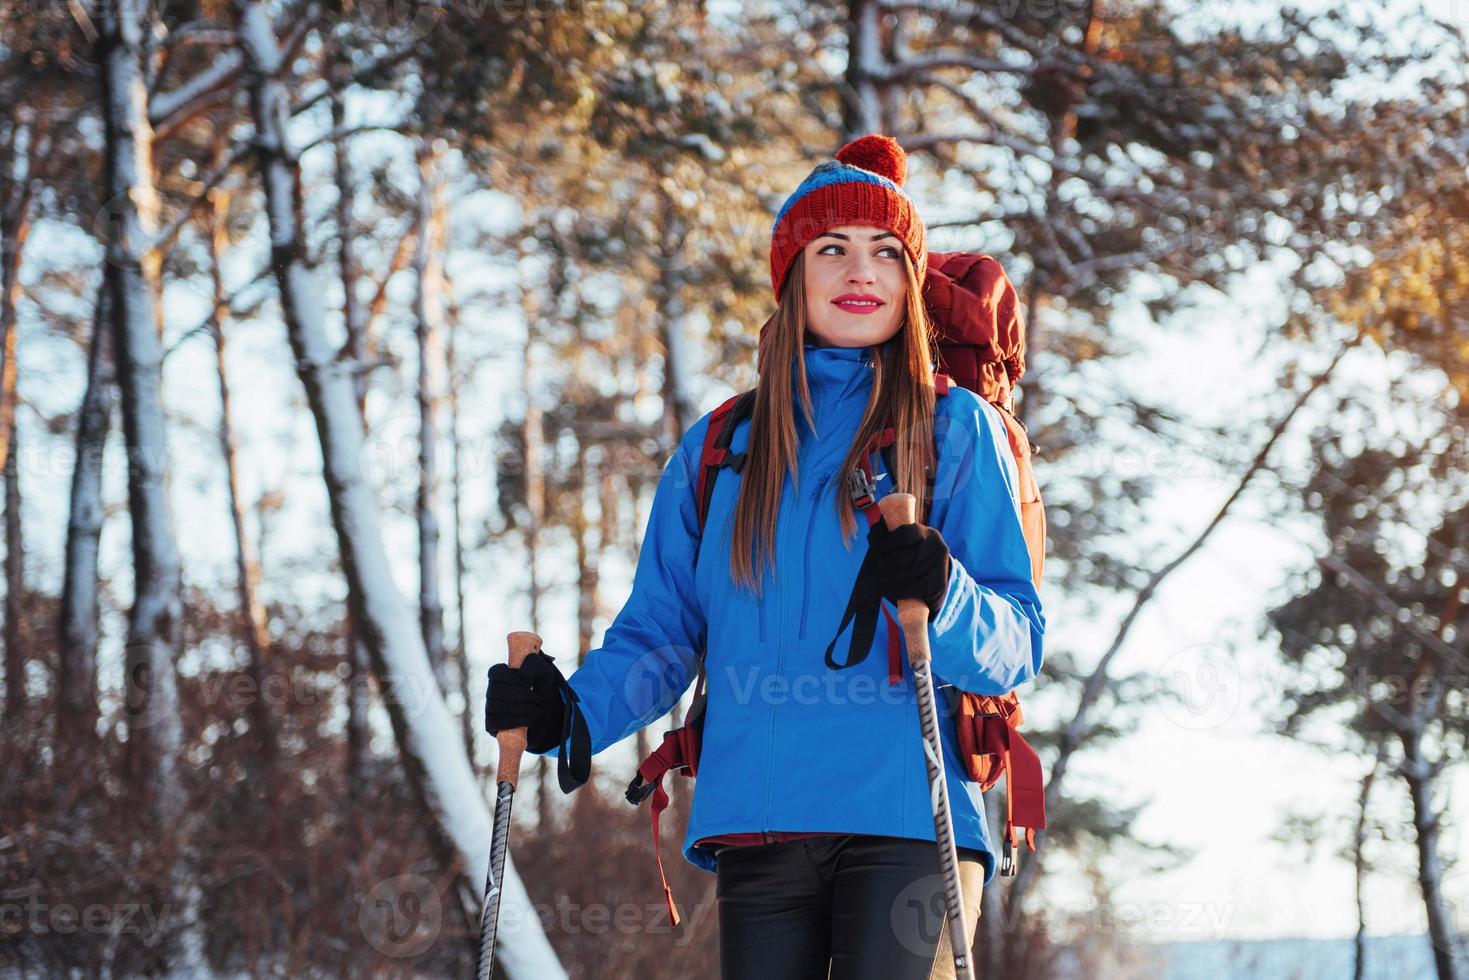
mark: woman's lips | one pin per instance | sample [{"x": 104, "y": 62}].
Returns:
[{"x": 859, "y": 306}]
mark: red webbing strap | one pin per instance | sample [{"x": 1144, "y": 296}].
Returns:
[
  {"x": 1025, "y": 794},
  {"x": 895, "y": 650},
  {"x": 660, "y": 803},
  {"x": 1009, "y": 797},
  {"x": 669, "y": 755},
  {"x": 1010, "y": 801},
  {"x": 1025, "y": 783}
]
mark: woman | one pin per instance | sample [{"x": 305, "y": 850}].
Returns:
[{"x": 811, "y": 803}]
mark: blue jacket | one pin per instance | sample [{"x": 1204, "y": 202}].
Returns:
[{"x": 789, "y": 745}]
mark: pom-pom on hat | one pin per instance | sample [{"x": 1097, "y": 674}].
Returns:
[{"x": 863, "y": 185}]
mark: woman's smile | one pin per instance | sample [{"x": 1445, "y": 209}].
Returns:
[{"x": 859, "y": 303}]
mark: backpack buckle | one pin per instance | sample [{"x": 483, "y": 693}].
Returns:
[
  {"x": 1008, "y": 863},
  {"x": 639, "y": 790},
  {"x": 861, "y": 487}
]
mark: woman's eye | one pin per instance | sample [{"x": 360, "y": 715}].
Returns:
[{"x": 888, "y": 250}]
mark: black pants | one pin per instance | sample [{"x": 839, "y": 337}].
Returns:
[{"x": 844, "y": 906}]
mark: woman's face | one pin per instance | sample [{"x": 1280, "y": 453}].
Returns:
[{"x": 855, "y": 286}]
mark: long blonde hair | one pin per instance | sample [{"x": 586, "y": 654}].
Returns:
[{"x": 902, "y": 391}]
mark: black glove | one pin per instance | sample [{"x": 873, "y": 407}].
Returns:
[
  {"x": 527, "y": 697},
  {"x": 909, "y": 563}
]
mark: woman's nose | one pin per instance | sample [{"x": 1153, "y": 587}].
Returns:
[{"x": 860, "y": 270}]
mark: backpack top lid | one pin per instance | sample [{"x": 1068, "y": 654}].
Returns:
[
  {"x": 976, "y": 318},
  {"x": 976, "y": 315}
]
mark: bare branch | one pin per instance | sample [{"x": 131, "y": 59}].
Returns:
[
  {"x": 191, "y": 112},
  {"x": 977, "y": 219},
  {"x": 916, "y": 67},
  {"x": 1369, "y": 590},
  {"x": 222, "y": 71},
  {"x": 83, "y": 20},
  {"x": 396, "y": 264},
  {"x": 227, "y": 159},
  {"x": 301, "y": 27},
  {"x": 967, "y": 14},
  {"x": 199, "y": 32},
  {"x": 348, "y": 131},
  {"x": 231, "y": 301},
  {"x": 357, "y": 77},
  {"x": 927, "y": 141}
]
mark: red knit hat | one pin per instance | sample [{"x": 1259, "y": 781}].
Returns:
[{"x": 863, "y": 185}]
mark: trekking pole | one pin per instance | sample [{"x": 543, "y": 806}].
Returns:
[
  {"x": 512, "y": 746},
  {"x": 899, "y": 509}
]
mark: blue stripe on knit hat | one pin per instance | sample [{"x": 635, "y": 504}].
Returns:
[{"x": 828, "y": 173}]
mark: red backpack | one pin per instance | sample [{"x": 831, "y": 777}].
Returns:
[{"x": 981, "y": 346}]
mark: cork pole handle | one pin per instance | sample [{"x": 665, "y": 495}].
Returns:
[
  {"x": 899, "y": 509},
  {"x": 512, "y": 740}
]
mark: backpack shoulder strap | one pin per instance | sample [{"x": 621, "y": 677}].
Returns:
[{"x": 716, "y": 455}]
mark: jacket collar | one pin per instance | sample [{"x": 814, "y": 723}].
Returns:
[{"x": 837, "y": 371}]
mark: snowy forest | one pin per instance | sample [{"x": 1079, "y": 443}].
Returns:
[{"x": 342, "y": 338}]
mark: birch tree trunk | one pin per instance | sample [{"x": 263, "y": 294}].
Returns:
[
  {"x": 76, "y": 725},
  {"x": 428, "y": 316},
  {"x": 586, "y": 594},
  {"x": 861, "y": 95},
  {"x": 155, "y": 727},
  {"x": 441, "y": 776},
  {"x": 15, "y": 226},
  {"x": 456, "y": 491},
  {"x": 253, "y": 631},
  {"x": 679, "y": 408},
  {"x": 586, "y": 563},
  {"x": 358, "y": 695},
  {"x": 532, "y": 442}
]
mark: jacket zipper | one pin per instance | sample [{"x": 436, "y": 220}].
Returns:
[
  {"x": 761, "y": 602},
  {"x": 780, "y": 657},
  {"x": 780, "y": 526},
  {"x": 770, "y": 767},
  {"x": 780, "y": 644},
  {"x": 810, "y": 527}
]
